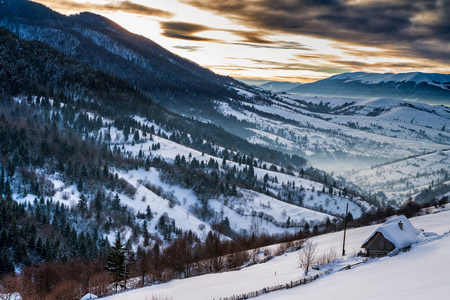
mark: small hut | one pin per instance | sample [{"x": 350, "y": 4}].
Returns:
[{"x": 397, "y": 234}]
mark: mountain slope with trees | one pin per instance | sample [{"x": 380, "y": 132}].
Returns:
[
  {"x": 166, "y": 77},
  {"x": 67, "y": 136}
]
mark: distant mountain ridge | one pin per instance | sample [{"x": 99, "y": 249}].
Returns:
[
  {"x": 278, "y": 86},
  {"x": 441, "y": 80},
  {"x": 431, "y": 88}
]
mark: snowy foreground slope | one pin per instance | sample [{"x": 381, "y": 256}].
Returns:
[
  {"x": 419, "y": 274},
  {"x": 412, "y": 275}
]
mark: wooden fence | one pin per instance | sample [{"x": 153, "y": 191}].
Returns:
[
  {"x": 287, "y": 285},
  {"x": 276, "y": 287}
]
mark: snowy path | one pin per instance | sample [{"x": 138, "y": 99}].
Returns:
[{"x": 395, "y": 276}]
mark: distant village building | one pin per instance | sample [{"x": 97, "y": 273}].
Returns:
[{"x": 397, "y": 234}]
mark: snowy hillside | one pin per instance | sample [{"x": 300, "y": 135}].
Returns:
[
  {"x": 244, "y": 211},
  {"x": 333, "y": 131},
  {"x": 405, "y": 178},
  {"x": 422, "y": 271},
  {"x": 248, "y": 211},
  {"x": 341, "y": 134}
]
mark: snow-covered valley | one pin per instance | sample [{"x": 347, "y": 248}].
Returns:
[{"x": 351, "y": 137}]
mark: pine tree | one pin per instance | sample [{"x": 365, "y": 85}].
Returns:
[
  {"x": 82, "y": 204},
  {"x": 115, "y": 205},
  {"x": 116, "y": 261},
  {"x": 136, "y": 136},
  {"x": 306, "y": 228},
  {"x": 2, "y": 181},
  {"x": 148, "y": 213}
]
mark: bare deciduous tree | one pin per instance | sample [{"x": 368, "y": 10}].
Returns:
[{"x": 306, "y": 256}]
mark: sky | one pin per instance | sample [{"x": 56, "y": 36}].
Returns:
[{"x": 288, "y": 40}]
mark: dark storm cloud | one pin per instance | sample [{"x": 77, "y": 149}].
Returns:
[
  {"x": 134, "y": 8},
  {"x": 275, "y": 45},
  {"x": 419, "y": 27},
  {"x": 189, "y": 48},
  {"x": 124, "y": 6},
  {"x": 184, "y": 31},
  {"x": 256, "y": 39},
  {"x": 252, "y": 37}
]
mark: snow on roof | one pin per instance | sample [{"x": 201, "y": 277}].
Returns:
[
  {"x": 13, "y": 296},
  {"x": 89, "y": 296},
  {"x": 401, "y": 238}
]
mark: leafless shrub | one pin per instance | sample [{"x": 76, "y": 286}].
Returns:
[
  {"x": 235, "y": 260},
  {"x": 127, "y": 188},
  {"x": 9, "y": 286},
  {"x": 267, "y": 254},
  {"x": 327, "y": 258},
  {"x": 67, "y": 290},
  {"x": 306, "y": 256},
  {"x": 100, "y": 284},
  {"x": 288, "y": 246}
]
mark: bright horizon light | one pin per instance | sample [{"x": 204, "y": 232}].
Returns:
[{"x": 239, "y": 44}]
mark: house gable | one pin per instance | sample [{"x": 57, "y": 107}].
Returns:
[{"x": 379, "y": 242}]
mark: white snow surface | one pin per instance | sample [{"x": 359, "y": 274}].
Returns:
[
  {"x": 401, "y": 238},
  {"x": 417, "y": 274}
]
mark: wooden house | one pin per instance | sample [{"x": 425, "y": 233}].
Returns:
[{"x": 397, "y": 234}]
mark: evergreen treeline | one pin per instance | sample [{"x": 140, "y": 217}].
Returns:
[{"x": 44, "y": 231}]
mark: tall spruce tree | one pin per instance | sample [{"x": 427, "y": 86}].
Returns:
[{"x": 116, "y": 261}]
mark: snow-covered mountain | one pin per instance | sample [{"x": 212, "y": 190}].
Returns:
[
  {"x": 430, "y": 88},
  {"x": 441, "y": 80},
  {"x": 168, "y": 78},
  {"x": 278, "y": 86}
]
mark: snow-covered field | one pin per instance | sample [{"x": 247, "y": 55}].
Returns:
[
  {"x": 406, "y": 177},
  {"x": 419, "y": 273}
]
